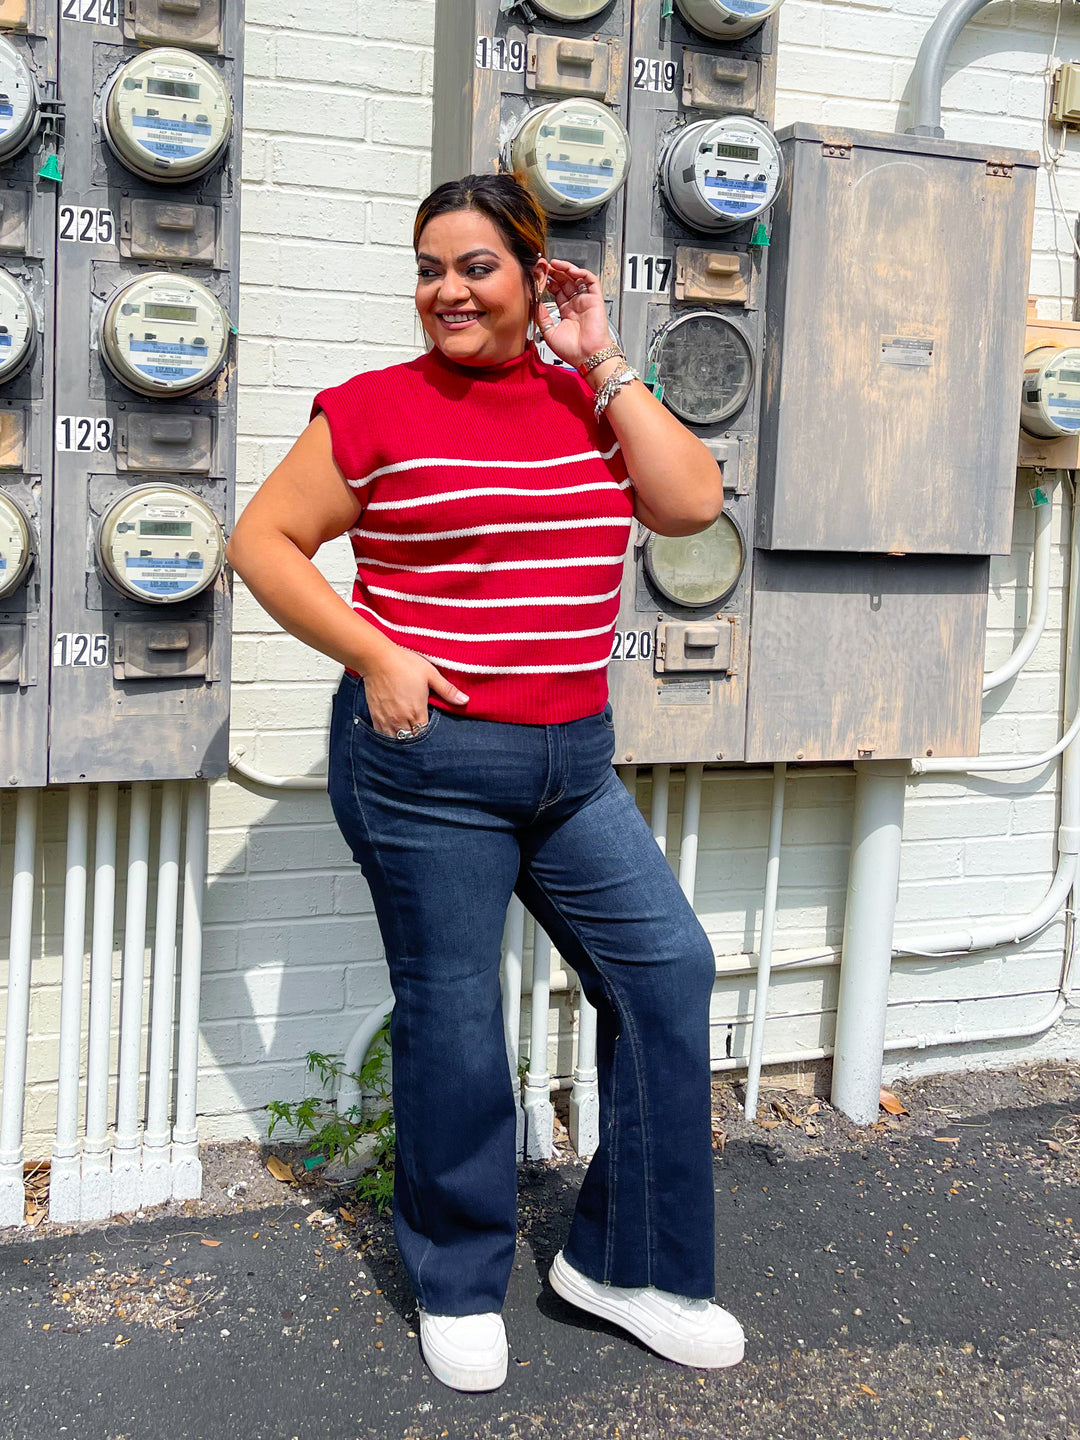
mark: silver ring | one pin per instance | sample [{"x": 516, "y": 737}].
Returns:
[
  {"x": 581, "y": 289},
  {"x": 403, "y": 734}
]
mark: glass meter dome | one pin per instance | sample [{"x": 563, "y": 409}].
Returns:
[
  {"x": 576, "y": 154},
  {"x": 705, "y": 366},
  {"x": 697, "y": 570},
  {"x": 726, "y": 19}
]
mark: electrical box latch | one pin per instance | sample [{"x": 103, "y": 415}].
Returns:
[
  {"x": 144, "y": 651},
  {"x": 693, "y": 645},
  {"x": 568, "y": 67}
]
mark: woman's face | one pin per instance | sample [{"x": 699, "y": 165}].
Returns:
[{"x": 470, "y": 291}]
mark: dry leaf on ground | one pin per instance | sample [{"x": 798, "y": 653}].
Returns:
[
  {"x": 888, "y": 1101},
  {"x": 280, "y": 1170}
]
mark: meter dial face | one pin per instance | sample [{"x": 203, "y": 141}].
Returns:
[
  {"x": 705, "y": 366},
  {"x": 16, "y": 326},
  {"x": 716, "y": 174},
  {"x": 167, "y": 114},
  {"x": 570, "y": 9},
  {"x": 1050, "y": 399},
  {"x": 164, "y": 334},
  {"x": 160, "y": 544},
  {"x": 727, "y": 19},
  {"x": 18, "y": 101},
  {"x": 16, "y": 544},
  {"x": 576, "y": 153},
  {"x": 701, "y": 569}
]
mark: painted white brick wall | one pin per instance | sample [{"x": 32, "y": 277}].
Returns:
[{"x": 293, "y": 955}]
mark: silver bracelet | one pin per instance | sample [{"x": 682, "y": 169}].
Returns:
[{"x": 615, "y": 382}]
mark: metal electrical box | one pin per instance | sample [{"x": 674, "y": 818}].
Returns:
[
  {"x": 887, "y": 471},
  {"x": 145, "y": 417}
]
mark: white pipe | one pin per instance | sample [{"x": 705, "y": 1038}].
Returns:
[
  {"x": 244, "y": 771},
  {"x": 539, "y": 1114},
  {"x": 691, "y": 825},
  {"x": 873, "y": 884},
  {"x": 127, "y": 1161},
  {"x": 513, "y": 953},
  {"x": 157, "y": 1162},
  {"x": 768, "y": 928},
  {"x": 1038, "y": 607},
  {"x": 186, "y": 1166},
  {"x": 661, "y": 786},
  {"x": 64, "y": 1171},
  {"x": 95, "y": 1195},
  {"x": 349, "y": 1094},
  {"x": 585, "y": 1096},
  {"x": 12, "y": 1192}
]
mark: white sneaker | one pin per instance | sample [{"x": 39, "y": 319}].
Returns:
[
  {"x": 693, "y": 1332},
  {"x": 466, "y": 1352}
]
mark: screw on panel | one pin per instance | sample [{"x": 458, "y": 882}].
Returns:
[
  {"x": 799, "y": 754},
  {"x": 629, "y": 755},
  {"x": 929, "y": 750}
]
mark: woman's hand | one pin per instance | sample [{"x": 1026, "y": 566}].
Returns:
[
  {"x": 397, "y": 690},
  {"x": 582, "y": 327}
]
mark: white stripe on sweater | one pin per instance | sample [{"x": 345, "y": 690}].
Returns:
[
  {"x": 446, "y": 462},
  {"x": 457, "y": 603},
  {"x": 393, "y": 536},
  {"x": 482, "y": 567},
  {"x": 511, "y": 669},
  {"x": 445, "y": 495},
  {"x": 479, "y": 639}
]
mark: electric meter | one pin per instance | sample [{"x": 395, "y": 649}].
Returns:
[
  {"x": 18, "y": 101},
  {"x": 167, "y": 114},
  {"x": 576, "y": 153},
  {"x": 701, "y": 569},
  {"x": 1050, "y": 398},
  {"x": 16, "y": 544},
  {"x": 164, "y": 334},
  {"x": 160, "y": 544},
  {"x": 16, "y": 326},
  {"x": 569, "y": 9},
  {"x": 726, "y": 19},
  {"x": 704, "y": 366},
  {"x": 716, "y": 174}
]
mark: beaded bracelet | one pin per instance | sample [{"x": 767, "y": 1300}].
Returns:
[
  {"x": 609, "y": 352},
  {"x": 615, "y": 382}
]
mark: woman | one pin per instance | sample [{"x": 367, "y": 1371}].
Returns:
[{"x": 487, "y": 499}]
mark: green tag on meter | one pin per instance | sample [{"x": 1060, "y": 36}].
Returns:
[
  {"x": 1039, "y": 496},
  {"x": 666, "y": 9}
]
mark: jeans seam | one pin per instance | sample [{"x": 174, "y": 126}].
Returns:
[{"x": 635, "y": 1048}]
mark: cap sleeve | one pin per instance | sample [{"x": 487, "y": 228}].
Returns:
[{"x": 350, "y": 437}]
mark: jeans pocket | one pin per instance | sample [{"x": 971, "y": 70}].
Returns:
[
  {"x": 607, "y": 717},
  {"x": 362, "y": 722}
]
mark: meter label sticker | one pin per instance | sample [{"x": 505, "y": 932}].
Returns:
[
  {"x": 747, "y": 7},
  {"x": 1064, "y": 412},
  {"x": 906, "y": 350},
  {"x": 165, "y": 575},
  {"x": 632, "y": 645},
  {"x": 163, "y": 360},
  {"x": 83, "y": 432},
  {"x": 651, "y": 273},
  {"x": 82, "y": 222},
  {"x": 657, "y": 75},
  {"x": 76, "y": 648},
  {"x": 572, "y": 178},
  {"x": 165, "y": 137},
  {"x": 94, "y": 12},
  {"x": 734, "y": 197},
  {"x": 498, "y": 53}
]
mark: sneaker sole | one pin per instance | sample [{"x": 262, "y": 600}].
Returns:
[
  {"x": 707, "y": 1355},
  {"x": 459, "y": 1378}
]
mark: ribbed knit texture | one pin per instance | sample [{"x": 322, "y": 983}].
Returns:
[{"x": 496, "y": 518}]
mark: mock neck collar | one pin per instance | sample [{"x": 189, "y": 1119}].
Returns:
[{"x": 517, "y": 368}]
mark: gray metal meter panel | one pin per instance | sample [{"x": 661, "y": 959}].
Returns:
[
  {"x": 692, "y": 320},
  {"x": 496, "y": 67},
  {"x": 146, "y": 368},
  {"x": 28, "y": 80},
  {"x": 896, "y": 320}
]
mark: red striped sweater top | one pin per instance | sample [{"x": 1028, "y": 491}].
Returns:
[{"x": 496, "y": 514}]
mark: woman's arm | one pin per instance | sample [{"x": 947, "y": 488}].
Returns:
[
  {"x": 301, "y": 504},
  {"x": 679, "y": 486}
]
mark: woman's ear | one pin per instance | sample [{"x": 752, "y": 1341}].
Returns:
[{"x": 541, "y": 271}]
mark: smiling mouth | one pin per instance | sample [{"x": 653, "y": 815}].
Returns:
[{"x": 458, "y": 319}]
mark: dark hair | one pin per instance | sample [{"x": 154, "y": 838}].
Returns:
[{"x": 507, "y": 202}]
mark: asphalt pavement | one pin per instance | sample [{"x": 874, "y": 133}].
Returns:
[{"x": 910, "y": 1285}]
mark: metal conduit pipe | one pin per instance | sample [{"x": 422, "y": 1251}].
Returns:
[
  {"x": 768, "y": 927},
  {"x": 539, "y": 1113},
  {"x": 95, "y": 1195},
  {"x": 349, "y": 1094},
  {"x": 929, "y": 71},
  {"x": 1037, "y": 609},
  {"x": 157, "y": 1160},
  {"x": 661, "y": 785},
  {"x": 513, "y": 951},
  {"x": 243, "y": 771},
  {"x": 127, "y": 1156},
  {"x": 691, "y": 825},
  {"x": 64, "y": 1170},
  {"x": 186, "y": 1165},
  {"x": 12, "y": 1193}
]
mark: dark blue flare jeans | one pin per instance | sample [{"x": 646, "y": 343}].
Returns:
[{"x": 447, "y": 826}]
